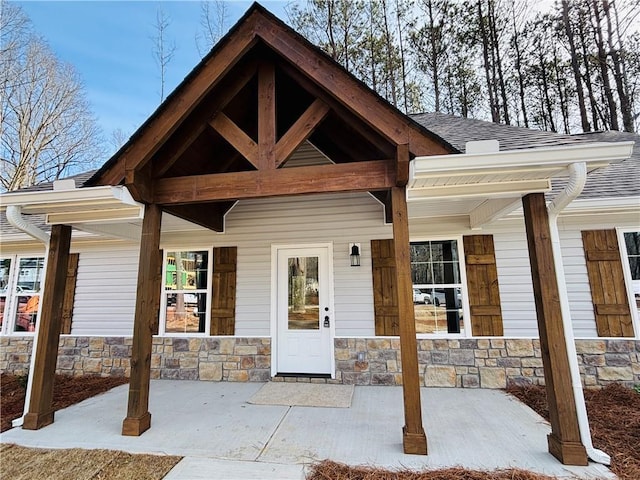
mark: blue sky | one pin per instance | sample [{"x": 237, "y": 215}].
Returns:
[{"x": 109, "y": 43}]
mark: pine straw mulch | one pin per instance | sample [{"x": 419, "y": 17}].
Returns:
[
  {"x": 21, "y": 463},
  {"x": 67, "y": 391},
  {"x": 614, "y": 418},
  {"x": 328, "y": 470}
]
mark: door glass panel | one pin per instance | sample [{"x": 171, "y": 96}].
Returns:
[{"x": 303, "y": 305}]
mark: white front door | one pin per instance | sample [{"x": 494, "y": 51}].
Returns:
[{"x": 304, "y": 311}]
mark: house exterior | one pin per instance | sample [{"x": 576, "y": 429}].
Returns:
[{"x": 273, "y": 218}]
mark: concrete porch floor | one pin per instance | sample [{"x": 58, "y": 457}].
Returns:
[{"x": 222, "y": 436}]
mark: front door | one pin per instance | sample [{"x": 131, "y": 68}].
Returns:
[{"x": 304, "y": 311}]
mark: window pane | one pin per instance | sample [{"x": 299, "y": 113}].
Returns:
[
  {"x": 632, "y": 242},
  {"x": 30, "y": 274},
  {"x": 303, "y": 308},
  {"x": 185, "y": 312},
  {"x": 26, "y": 313},
  {"x": 438, "y": 309},
  {"x": 5, "y": 269},
  {"x": 186, "y": 270}
]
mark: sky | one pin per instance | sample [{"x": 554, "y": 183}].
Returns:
[{"x": 110, "y": 45}]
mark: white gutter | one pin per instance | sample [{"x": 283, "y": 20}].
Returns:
[
  {"x": 575, "y": 186},
  {"x": 15, "y": 218}
]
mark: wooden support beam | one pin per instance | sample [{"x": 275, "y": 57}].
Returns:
[
  {"x": 209, "y": 215},
  {"x": 300, "y": 130},
  {"x": 564, "y": 440},
  {"x": 266, "y": 117},
  {"x": 40, "y": 412},
  {"x": 347, "y": 177},
  {"x": 366, "y": 106},
  {"x": 138, "y": 418},
  {"x": 414, "y": 438},
  {"x": 402, "y": 165},
  {"x": 236, "y": 137},
  {"x": 198, "y": 121},
  {"x": 377, "y": 141}
]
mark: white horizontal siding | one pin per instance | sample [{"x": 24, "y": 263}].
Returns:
[
  {"x": 255, "y": 225},
  {"x": 105, "y": 291}
]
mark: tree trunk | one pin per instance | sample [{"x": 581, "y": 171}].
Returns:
[
  {"x": 604, "y": 68},
  {"x": 518, "y": 65},
  {"x": 495, "y": 114},
  {"x": 625, "y": 104},
  {"x": 587, "y": 68},
  {"x": 586, "y": 127},
  {"x": 498, "y": 61}
]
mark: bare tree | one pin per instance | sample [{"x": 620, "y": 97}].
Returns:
[
  {"x": 163, "y": 49},
  {"x": 214, "y": 19},
  {"x": 46, "y": 127}
]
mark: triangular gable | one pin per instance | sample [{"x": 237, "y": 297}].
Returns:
[{"x": 311, "y": 66}]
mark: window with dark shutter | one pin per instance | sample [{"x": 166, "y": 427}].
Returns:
[
  {"x": 482, "y": 283},
  {"x": 385, "y": 292},
  {"x": 606, "y": 279},
  {"x": 223, "y": 301}
]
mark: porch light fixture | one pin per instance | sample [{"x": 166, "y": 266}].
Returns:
[{"x": 354, "y": 256}]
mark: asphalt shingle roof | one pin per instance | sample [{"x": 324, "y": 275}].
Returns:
[{"x": 616, "y": 180}]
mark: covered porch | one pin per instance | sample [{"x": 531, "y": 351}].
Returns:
[{"x": 221, "y": 435}]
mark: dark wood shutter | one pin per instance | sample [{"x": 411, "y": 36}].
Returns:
[
  {"x": 223, "y": 302},
  {"x": 482, "y": 282},
  {"x": 69, "y": 293},
  {"x": 606, "y": 278},
  {"x": 385, "y": 291}
]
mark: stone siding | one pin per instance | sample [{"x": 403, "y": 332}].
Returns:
[{"x": 467, "y": 363}]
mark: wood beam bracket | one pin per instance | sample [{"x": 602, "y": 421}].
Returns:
[
  {"x": 239, "y": 140},
  {"x": 140, "y": 184},
  {"x": 402, "y": 164}
]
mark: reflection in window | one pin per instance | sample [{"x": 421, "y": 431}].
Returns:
[
  {"x": 5, "y": 269},
  {"x": 304, "y": 309},
  {"x": 632, "y": 243},
  {"x": 186, "y": 276},
  {"x": 437, "y": 286}
]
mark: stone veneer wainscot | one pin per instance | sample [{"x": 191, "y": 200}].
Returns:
[{"x": 467, "y": 363}]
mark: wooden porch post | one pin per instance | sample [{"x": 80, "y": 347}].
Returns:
[
  {"x": 138, "y": 418},
  {"x": 40, "y": 412},
  {"x": 414, "y": 439},
  {"x": 564, "y": 440}
]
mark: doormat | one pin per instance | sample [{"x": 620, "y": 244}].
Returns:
[{"x": 304, "y": 395}]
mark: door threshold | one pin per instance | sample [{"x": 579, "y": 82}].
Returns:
[{"x": 304, "y": 375}]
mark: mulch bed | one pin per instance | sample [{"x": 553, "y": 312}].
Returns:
[
  {"x": 329, "y": 470},
  {"x": 21, "y": 463},
  {"x": 66, "y": 391},
  {"x": 614, "y": 418}
]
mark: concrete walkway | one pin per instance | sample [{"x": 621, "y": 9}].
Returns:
[{"x": 222, "y": 436}]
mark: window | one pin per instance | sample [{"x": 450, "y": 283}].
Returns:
[
  {"x": 632, "y": 244},
  {"x": 185, "y": 299},
  {"x": 437, "y": 286},
  {"x": 20, "y": 284}
]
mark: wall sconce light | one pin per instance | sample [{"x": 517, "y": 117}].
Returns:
[{"x": 354, "y": 255}]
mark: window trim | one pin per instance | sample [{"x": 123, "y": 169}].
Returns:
[
  {"x": 163, "y": 297},
  {"x": 465, "y": 331},
  {"x": 628, "y": 281},
  {"x": 11, "y": 303}
]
